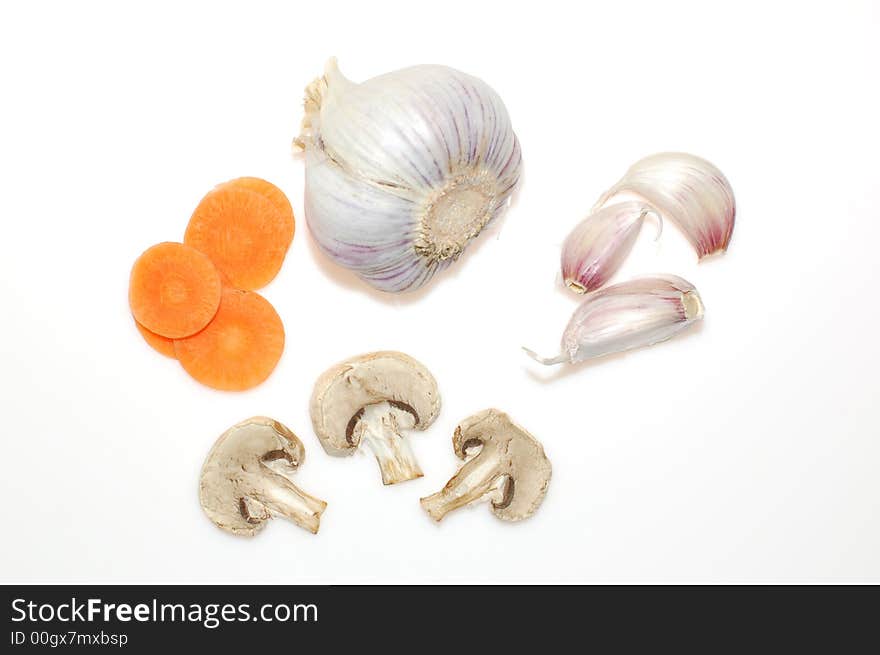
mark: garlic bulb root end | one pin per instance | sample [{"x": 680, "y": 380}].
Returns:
[{"x": 454, "y": 215}]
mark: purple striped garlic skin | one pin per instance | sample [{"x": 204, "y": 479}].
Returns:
[
  {"x": 404, "y": 170},
  {"x": 687, "y": 189},
  {"x": 597, "y": 246},
  {"x": 632, "y": 314}
]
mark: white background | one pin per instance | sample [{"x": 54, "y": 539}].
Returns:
[{"x": 747, "y": 450}]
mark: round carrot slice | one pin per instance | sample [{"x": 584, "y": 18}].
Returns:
[
  {"x": 269, "y": 191},
  {"x": 243, "y": 233},
  {"x": 239, "y": 348},
  {"x": 157, "y": 342},
  {"x": 174, "y": 290}
]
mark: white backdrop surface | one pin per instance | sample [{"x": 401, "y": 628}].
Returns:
[{"x": 746, "y": 450}]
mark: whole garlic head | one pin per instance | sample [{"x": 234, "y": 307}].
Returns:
[{"x": 404, "y": 170}]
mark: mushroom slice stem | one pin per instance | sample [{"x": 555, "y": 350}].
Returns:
[
  {"x": 479, "y": 479},
  {"x": 295, "y": 505},
  {"x": 380, "y": 427},
  {"x": 286, "y": 499},
  {"x": 510, "y": 469}
]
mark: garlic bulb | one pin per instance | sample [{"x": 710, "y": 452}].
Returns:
[
  {"x": 687, "y": 189},
  {"x": 597, "y": 246},
  {"x": 404, "y": 170},
  {"x": 628, "y": 315}
]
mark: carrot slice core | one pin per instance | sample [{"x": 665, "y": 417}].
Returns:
[
  {"x": 174, "y": 290},
  {"x": 239, "y": 348},
  {"x": 243, "y": 232}
]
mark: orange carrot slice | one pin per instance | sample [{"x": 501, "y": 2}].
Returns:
[
  {"x": 174, "y": 290},
  {"x": 239, "y": 348},
  {"x": 157, "y": 342},
  {"x": 269, "y": 191},
  {"x": 243, "y": 232}
]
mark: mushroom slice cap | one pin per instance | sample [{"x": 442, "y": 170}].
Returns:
[
  {"x": 343, "y": 391},
  {"x": 520, "y": 457}
]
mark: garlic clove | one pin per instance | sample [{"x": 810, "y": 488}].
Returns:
[
  {"x": 687, "y": 189},
  {"x": 597, "y": 246},
  {"x": 632, "y": 314},
  {"x": 404, "y": 170}
]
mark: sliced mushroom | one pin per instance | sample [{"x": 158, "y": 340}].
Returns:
[
  {"x": 246, "y": 479},
  {"x": 375, "y": 398},
  {"x": 504, "y": 464}
]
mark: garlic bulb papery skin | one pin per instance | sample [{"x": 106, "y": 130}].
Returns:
[
  {"x": 632, "y": 314},
  {"x": 404, "y": 170},
  {"x": 597, "y": 246},
  {"x": 688, "y": 190}
]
